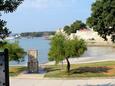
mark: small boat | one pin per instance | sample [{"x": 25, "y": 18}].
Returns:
[
  {"x": 48, "y": 37},
  {"x": 10, "y": 38}
]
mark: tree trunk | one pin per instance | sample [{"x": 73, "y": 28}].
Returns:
[
  {"x": 62, "y": 65},
  {"x": 68, "y": 65}
]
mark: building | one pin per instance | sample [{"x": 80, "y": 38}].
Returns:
[{"x": 87, "y": 34}]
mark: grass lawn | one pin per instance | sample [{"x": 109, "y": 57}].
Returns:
[
  {"x": 15, "y": 70},
  {"x": 98, "y": 69}
]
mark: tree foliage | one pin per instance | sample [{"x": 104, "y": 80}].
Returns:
[
  {"x": 7, "y": 6},
  {"x": 62, "y": 48},
  {"x": 37, "y": 34},
  {"x": 74, "y": 47},
  {"x": 57, "y": 48},
  {"x": 77, "y": 25},
  {"x": 4, "y": 32},
  {"x": 16, "y": 53},
  {"x": 102, "y": 18}
]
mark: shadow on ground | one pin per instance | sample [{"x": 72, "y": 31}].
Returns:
[
  {"x": 40, "y": 71},
  {"x": 52, "y": 69},
  {"x": 90, "y": 70}
]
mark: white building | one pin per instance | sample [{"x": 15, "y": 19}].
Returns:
[{"x": 86, "y": 34}]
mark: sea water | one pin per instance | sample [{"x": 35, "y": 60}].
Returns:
[
  {"x": 39, "y": 43},
  {"x": 43, "y": 46}
]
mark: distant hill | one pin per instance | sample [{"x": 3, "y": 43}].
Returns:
[{"x": 37, "y": 34}]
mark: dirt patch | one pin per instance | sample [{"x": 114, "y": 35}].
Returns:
[{"x": 111, "y": 71}]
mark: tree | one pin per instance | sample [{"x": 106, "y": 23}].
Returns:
[
  {"x": 77, "y": 25},
  {"x": 16, "y": 53},
  {"x": 67, "y": 29},
  {"x": 57, "y": 48},
  {"x": 4, "y": 32},
  {"x": 102, "y": 18},
  {"x": 7, "y": 6},
  {"x": 62, "y": 48}
]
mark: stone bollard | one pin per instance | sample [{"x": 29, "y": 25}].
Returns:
[{"x": 33, "y": 61}]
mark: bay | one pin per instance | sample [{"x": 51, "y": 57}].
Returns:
[
  {"x": 43, "y": 46},
  {"x": 40, "y": 44}
]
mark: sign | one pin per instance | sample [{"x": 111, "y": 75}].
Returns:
[
  {"x": 4, "y": 68},
  {"x": 32, "y": 61}
]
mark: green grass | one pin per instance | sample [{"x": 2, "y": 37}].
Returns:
[
  {"x": 105, "y": 63},
  {"x": 98, "y": 69},
  {"x": 16, "y": 70}
]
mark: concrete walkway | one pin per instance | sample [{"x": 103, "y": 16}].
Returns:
[{"x": 47, "y": 82}]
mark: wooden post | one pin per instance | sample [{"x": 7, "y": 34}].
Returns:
[{"x": 6, "y": 67}]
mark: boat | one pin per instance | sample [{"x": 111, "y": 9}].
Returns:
[{"x": 10, "y": 38}]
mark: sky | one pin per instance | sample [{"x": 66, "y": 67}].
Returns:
[{"x": 47, "y": 15}]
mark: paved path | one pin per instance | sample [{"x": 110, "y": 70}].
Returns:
[
  {"x": 80, "y": 60},
  {"x": 25, "y": 75},
  {"x": 47, "y": 82}
]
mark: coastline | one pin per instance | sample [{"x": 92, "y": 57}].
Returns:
[
  {"x": 81, "y": 60},
  {"x": 41, "y": 46}
]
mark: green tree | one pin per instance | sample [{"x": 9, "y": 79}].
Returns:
[
  {"x": 67, "y": 29},
  {"x": 62, "y": 48},
  {"x": 77, "y": 25},
  {"x": 16, "y": 53},
  {"x": 57, "y": 48},
  {"x": 7, "y": 6},
  {"x": 4, "y": 32},
  {"x": 102, "y": 18}
]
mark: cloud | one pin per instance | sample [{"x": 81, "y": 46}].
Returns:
[{"x": 41, "y": 4}]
